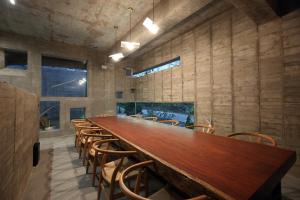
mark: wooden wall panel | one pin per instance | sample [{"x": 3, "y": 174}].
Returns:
[
  {"x": 271, "y": 79},
  {"x": 291, "y": 85},
  {"x": 176, "y": 72},
  {"x": 19, "y": 130},
  {"x": 167, "y": 76},
  {"x": 158, "y": 84},
  {"x": 203, "y": 73},
  {"x": 245, "y": 68},
  {"x": 221, "y": 73},
  {"x": 188, "y": 66}
]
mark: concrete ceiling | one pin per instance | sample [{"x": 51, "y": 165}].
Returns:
[{"x": 80, "y": 22}]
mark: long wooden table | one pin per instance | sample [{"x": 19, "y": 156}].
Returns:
[{"x": 230, "y": 168}]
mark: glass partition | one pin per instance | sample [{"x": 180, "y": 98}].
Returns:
[{"x": 182, "y": 112}]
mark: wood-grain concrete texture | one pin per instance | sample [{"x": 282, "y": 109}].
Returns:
[
  {"x": 242, "y": 75},
  {"x": 19, "y": 131}
]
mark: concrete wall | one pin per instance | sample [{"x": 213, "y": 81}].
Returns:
[
  {"x": 19, "y": 131},
  {"x": 100, "y": 82},
  {"x": 246, "y": 77}
]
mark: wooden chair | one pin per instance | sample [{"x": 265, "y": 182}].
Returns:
[
  {"x": 88, "y": 136},
  {"x": 151, "y": 118},
  {"x": 76, "y": 121},
  {"x": 78, "y": 126},
  {"x": 111, "y": 171},
  {"x": 204, "y": 128},
  {"x": 173, "y": 122},
  {"x": 80, "y": 140},
  {"x": 162, "y": 194},
  {"x": 255, "y": 137},
  {"x": 136, "y": 116},
  {"x": 93, "y": 155}
]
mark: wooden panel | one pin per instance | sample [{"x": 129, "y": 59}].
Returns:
[
  {"x": 158, "y": 76},
  {"x": 245, "y": 67},
  {"x": 203, "y": 73},
  {"x": 221, "y": 61},
  {"x": 209, "y": 160},
  {"x": 19, "y": 130},
  {"x": 167, "y": 78},
  {"x": 188, "y": 66},
  {"x": 291, "y": 86},
  {"x": 271, "y": 79},
  {"x": 176, "y": 72}
]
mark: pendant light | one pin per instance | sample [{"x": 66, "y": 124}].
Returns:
[
  {"x": 116, "y": 56},
  {"x": 129, "y": 44},
  {"x": 149, "y": 24}
]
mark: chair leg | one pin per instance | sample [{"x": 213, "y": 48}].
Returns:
[
  {"x": 80, "y": 151},
  {"x": 75, "y": 142},
  {"x": 99, "y": 187},
  {"x": 87, "y": 164},
  {"x": 84, "y": 154},
  {"x": 94, "y": 170},
  {"x": 112, "y": 190}
]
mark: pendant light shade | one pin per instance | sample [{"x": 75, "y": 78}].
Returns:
[
  {"x": 129, "y": 44},
  {"x": 116, "y": 56},
  {"x": 150, "y": 25}
]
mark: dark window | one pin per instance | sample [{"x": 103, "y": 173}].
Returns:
[
  {"x": 15, "y": 59},
  {"x": 77, "y": 113},
  {"x": 49, "y": 115},
  {"x": 63, "y": 78},
  {"x": 163, "y": 66}
]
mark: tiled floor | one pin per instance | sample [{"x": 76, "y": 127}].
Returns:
[{"x": 61, "y": 176}]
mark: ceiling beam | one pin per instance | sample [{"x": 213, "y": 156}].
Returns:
[{"x": 258, "y": 10}]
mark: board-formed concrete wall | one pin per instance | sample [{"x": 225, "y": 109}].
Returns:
[
  {"x": 246, "y": 77},
  {"x": 19, "y": 131},
  {"x": 100, "y": 82}
]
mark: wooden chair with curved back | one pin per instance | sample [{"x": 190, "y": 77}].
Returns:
[
  {"x": 151, "y": 118},
  {"x": 76, "y": 123},
  {"x": 111, "y": 171},
  {"x": 162, "y": 194},
  {"x": 258, "y": 138},
  {"x": 173, "y": 122},
  {"x": 204, "y": 128},
  {"x": 80, "y": 139},
  {"x": 88, "y": 136},
  {"x": 93, "y": 156}
]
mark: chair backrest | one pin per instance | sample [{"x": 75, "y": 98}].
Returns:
[
  {"x": 204, "y": 128},
  {"x": 107, "y": 152},
  {"x": 173, "y": 122},
  {"x": 76, "y": 121},
  {"x": 151, "y": 118},
  {"x": 255, "y": 137},
  {"x": 142, "y": 171}
]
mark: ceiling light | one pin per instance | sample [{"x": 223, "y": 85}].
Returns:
[
  {"x": 129, "y": 44},
  {"x": 117, "y": 56},
  {"x": 13, "y": 2},
  {"x": 149, "y": 24}
]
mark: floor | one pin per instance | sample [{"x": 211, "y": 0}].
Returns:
[{"x": 61, "y": 176}]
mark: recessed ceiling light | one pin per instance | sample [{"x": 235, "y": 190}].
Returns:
[
  {"x": 117, "y": 56},
  {"x": 13, "y": 2}
]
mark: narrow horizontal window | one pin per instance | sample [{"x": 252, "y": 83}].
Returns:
[
  {"x": 77, "y": 113},
  {"x": 163, "y": 66}
]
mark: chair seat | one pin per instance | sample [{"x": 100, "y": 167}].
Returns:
[
  {"x": 109, "y": 168},
  {"x": 164, "y": 194}
]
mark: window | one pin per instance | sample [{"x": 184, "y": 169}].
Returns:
[
  {"x": 77, "y": 113},
  {"x": 63, "y": 78},
  {"x": 49, "y": 115},
  {"x": 182, "y": 112},
  {"x": 15, "y": 59},
  {"x": 163, "y": 66}
]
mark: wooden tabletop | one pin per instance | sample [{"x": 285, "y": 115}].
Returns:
[{"x": 231, "y": 168}]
